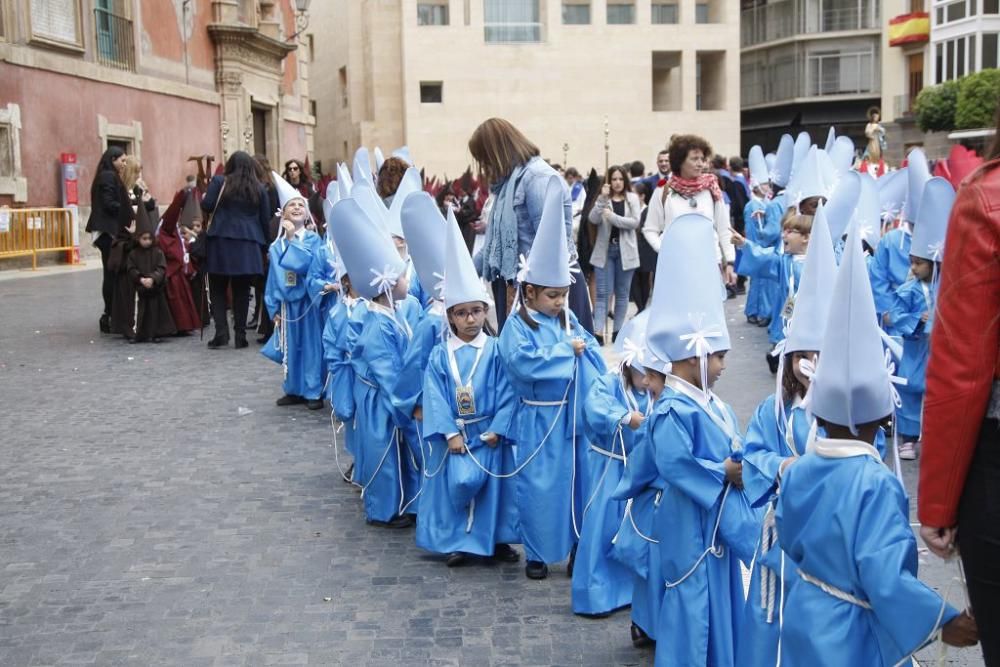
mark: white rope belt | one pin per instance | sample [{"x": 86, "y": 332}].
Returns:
[
  {"x": 610, "y": 455},
  {"x": 544, "y": 404},
  {"x": 461, "y": 422},
  {"x": 834, "y": 591},
  {"x": 367, "y": 382}
]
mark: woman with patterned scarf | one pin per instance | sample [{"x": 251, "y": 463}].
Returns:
[{"x": 691, "y": 189}]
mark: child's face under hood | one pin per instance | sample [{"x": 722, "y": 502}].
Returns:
[{"x": 296, "y": 211}]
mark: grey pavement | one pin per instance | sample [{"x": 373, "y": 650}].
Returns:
[{"x": 157, "y": 508}]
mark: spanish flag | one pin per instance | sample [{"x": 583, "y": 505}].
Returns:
[{"x": 913, "y": 28}]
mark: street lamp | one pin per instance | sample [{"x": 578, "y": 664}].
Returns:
[{"x": 301, "y": 18}]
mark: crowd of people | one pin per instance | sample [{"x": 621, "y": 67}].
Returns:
[{"x": 458, "y": 339}]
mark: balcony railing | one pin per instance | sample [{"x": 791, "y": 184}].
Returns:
[
  {"x": 797, "y": 75},
  {"x": 787, "y": 18},
  {"x": 115, "y": 40}
]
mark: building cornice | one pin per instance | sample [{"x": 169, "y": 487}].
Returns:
[
  {"x": 819, "y": 99},
  {"x": 811, "y": 37},
  {"x": 59, "y": 63}
]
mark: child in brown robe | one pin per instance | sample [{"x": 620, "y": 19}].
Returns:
[{"x": 147, "y": 270}]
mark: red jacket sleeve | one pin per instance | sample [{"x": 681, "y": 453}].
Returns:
[{"x": 964, "y": 345}]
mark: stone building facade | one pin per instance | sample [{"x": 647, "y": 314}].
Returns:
[{"x": 164, "y": 79}]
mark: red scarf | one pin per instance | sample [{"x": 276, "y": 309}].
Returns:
[{"x": 689, "y": 187}]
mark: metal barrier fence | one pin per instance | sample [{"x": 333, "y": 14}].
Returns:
[{"x": 26, "y": 232}]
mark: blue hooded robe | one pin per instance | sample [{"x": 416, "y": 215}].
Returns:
[
  {"x": 845, "y": 522},
  {"x": 911, "y": 300},
  {"x": 601, "y": 585},
  {"x": 287, "y": 287},
  {"x": 765, "y": 232},
  {"x": 888, "y": 270},
  {"x": 702, "y": 604},
  {"x": 786, "y": 270},
  {"x": 446, "y": 521},
  {"x": 542, "y": 367}
]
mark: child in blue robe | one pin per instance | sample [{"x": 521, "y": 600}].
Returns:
[
  {"x": 286, "y": 295},
  {"x": 633, "y": 545},
  {"x": 888, "y": 270},
  {"x": 910, "y": 313},
  {"x": 340, "y": 387},
  {"x": 376, "y": 355},
  {"x": 772, "y": 443},
  {"x": 614, "y": 411},
  {"x": 765, "y": 232},
  {"x": 784, "y": 267},
  {"x": 479, "y": 518},
  {"x": 467, "y": 506},
  {"x": 543, "y": 363},
  {"x": 703, "y": 524},
  {"x": 550, "y": 360},
  {"x": 843, "y": 517}
]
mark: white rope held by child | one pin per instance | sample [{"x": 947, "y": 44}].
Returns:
[
  {"x": 423, "y": 467},
  {"x": 552, "y": 426},
  {"x": 713, "y": 550},
  {"x": 768, "y": 578},
  {"x": 385, "y": 454},
  {"x": 336, "y": 447}
]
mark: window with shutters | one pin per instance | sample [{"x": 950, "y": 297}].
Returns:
[{"x": 56, "y": 21}]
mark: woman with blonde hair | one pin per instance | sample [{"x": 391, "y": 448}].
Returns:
[{"x": 510, "y": 163}]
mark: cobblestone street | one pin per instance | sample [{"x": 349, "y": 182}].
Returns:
[{"x": 157, "y": 508}]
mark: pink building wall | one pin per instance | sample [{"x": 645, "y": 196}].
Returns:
[{"x": 59, "y": 114}]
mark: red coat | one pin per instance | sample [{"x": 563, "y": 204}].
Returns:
[{"x": 964, "y": 347}]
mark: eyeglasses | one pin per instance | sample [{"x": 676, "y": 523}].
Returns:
[
  {"x": 463, "y": 314},
  {"x": 293, "y": 168}
]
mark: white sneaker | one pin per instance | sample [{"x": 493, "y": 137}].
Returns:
[{"x": 908, "y": 451}]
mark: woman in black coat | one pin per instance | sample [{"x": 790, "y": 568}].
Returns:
[
  {"x": 236, "y": 238},
  {"x": 110, "y": 213}
]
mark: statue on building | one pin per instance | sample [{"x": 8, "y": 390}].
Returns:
[{"x": 875, "y": 132}]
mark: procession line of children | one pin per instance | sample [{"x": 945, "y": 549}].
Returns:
[{"x": 642, "y": 477}]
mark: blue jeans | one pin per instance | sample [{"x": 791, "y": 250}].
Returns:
[{"x": 612, "y": 279}]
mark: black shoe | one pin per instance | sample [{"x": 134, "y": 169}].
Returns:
[
  {"x": 133, "y": 341},
  {"x": 454, "y": 559},
  {"x": 572, "y": 562},
  {"x": 217, "y": 342},
  {"x": 289, "y": 399},
  {"x": 763, "y": 321},
  {"x": 741, "y": 289},
  {"x": 404, "y": 521},
  {"x": 252, "y": 324},
  {"x": 157, "y": 340},
  {"x": 505, "y": 554},
  {"x": 772, "y": 363},
  {"x": 614, "y": 336},
  {"x": 752, "y": 319},
  {"x": 730, "y": 292},
  {"x": 349, "y": 475},
  {"x": 639, "y": 638},
  {"x": 600, "y": 339},
  {"x": 536, "y": 569},
  {"x": 263, "y": 339},
  {"x": 315, "y": 404},
  {"x": 104, "y": 324},
  {"x": 240, "y": 342}
]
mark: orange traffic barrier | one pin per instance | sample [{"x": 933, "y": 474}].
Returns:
[{"x": 27, "y": 232}]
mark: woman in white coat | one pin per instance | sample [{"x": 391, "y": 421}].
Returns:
[
  {"x": 690, "y": 190},
  {"x": 616, "y": 250}
]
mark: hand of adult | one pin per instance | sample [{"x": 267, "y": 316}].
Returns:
[
  {"x": 730, "y": 275},
  {"x": 941, "y": 541},
  {"x": 738, "y": 239},
  {"x": 960, "y": 631}
]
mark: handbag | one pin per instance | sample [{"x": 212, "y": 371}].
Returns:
[
  {"x": 465, "y": 478},
  {"x": 272, "y": 348}
]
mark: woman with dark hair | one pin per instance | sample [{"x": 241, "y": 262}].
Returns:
[
  {"x": 958, "y": 504},
  {"x": 616, "y": 251},
  {"x": 389, "y": 177},
  {"x": 690, "y": 189},
  {"x": 264, "y": 325},
  {"x": 298, "y": 177},
  {"x": 237, "y": 236},
  {"x": 510, "y": 163},
  {"x": 110, "y": 213}
]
